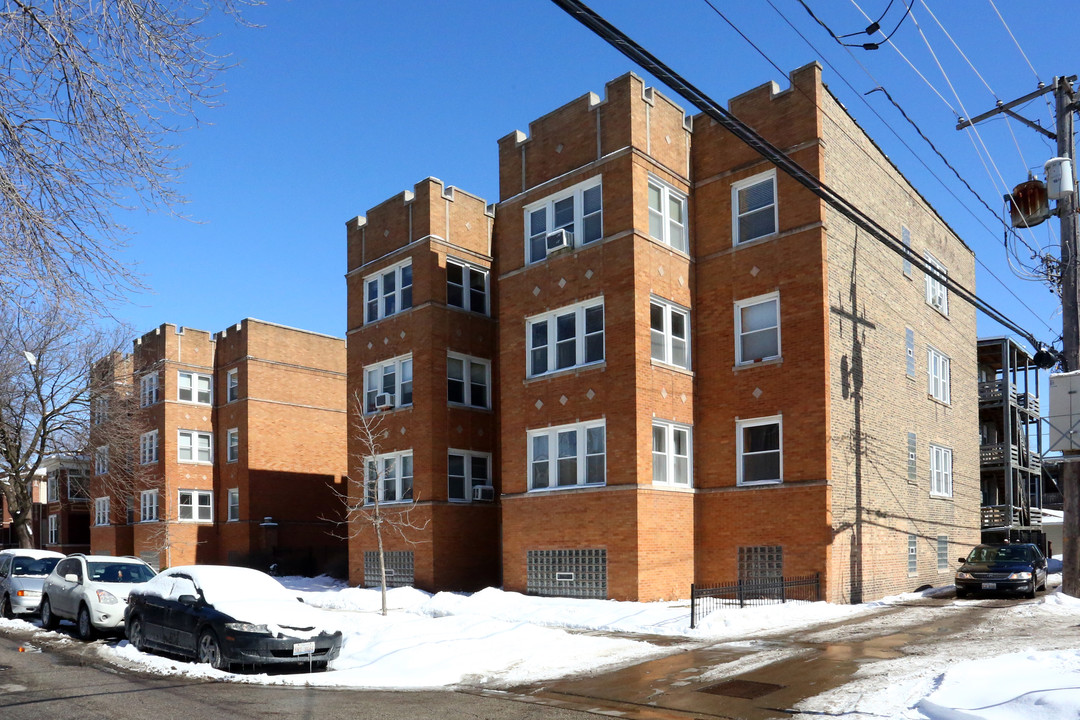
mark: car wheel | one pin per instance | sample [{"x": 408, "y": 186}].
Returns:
[
  {"x": 6, "y": 609},
  {"x": 961, "y": 593},
  {"x": 1030, "y": 594},
  {"x": 209, "y": 651},
  {"x": 48, "y": 620},
  {"x": 85, "y": 627},
  {"x": 134, "y": 632}
]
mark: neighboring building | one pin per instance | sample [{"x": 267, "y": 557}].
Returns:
[
  {"x": 701, "y": 372},
  {"x": 1011, "y": 452},
  {"x": 8, "y": 536},
  {"x": 236, "y": 454},
  {"x": 65, "y": 514}
]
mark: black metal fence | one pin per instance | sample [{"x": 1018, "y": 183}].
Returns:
[{"x": 704, "y": 600}]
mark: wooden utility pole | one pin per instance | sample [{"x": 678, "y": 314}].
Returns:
[{"x": 1067, "y": 210}]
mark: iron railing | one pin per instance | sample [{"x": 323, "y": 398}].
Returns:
[{"x": 740, "y": 593}]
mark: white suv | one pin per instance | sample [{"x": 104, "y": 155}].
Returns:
[{"x": 92, "y": 590}]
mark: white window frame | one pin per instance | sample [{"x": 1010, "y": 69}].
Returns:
[
  {"x": 194, "y": 506},
  {"x": 232, "y": 385},
  {"x": 100, "y": 410},
  {"x": 941, "y": 464},
  {"x": 773, "y": 297},
  {"x": 736, "y": 188},
  {"x": 101, "y": 460},
  {"x": 581, "y": 455},
  {"x": 550, "y": 319},
  {"x": 52, "y": 486},
  {"x": 401, "y": 296},
  {"x": 576, "y": 228},
  {"x": 233, "y": 502},
  {"x": 149, "y": 389},
  {"x": 76, "y": 478},
  {"x": 385, "y": 464},
  {"x": 148, "y": 448},
  {"x": 232, "y": 445},
  {"x": 193, "y": 446},
  {"x": 938, "y": 375},
  {"x": 101, "y": 511},
  {"x": 664, "y": 337},
  {"x": 193, "y": 387},
  {"x": 468, "y": 479},
  {"x": 148, "y": 506},
  {"x": 399, "y": 365},
  {"x": 740, "y": 425},
  {"x": 937, "y": 292},
  {"x": 54, "y": 529},
  {"x": 665, "y": 458},
  {"x": 467, "y": 364},
  {"x": 668, "y": 194},
  {"x": 468, "y": 271}
]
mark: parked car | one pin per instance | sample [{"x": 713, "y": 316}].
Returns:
[
  {"x": 1002, "y": 567},
  {"x": 227, "y": 616},
  {"x": 92, "y": 591},
  {"x": 22, "y": 572}
]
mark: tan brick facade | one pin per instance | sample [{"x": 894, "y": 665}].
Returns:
[{"x": 837, "y": 390}]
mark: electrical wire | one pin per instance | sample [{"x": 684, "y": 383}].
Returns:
[
  {"x": 621, "y": 42},
  {"x": 874, "y": 27}
]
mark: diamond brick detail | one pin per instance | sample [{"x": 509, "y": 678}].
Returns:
[
  {"x": 757, "y": 393},
  {"x": 562, "y": 282},
  {"x": 755, "y": 270},
  {"x": 536, "y": 290},
  {"x": 370, "y": 345},
  {"x": 590, "y": 394},
  {"x": 402, "y": 431},
  {"x": 660, "y": 271},
  {"x": 588, "y": 274},
  {"x": 683, "y": 398},
  {"x": 663, "y": 392},
  {"x": 386, "y": 341},
  {"x": 402, "y": 336},
  {"x": 563, "y": 400},
  {"x": 539, "y": 404},
  {"x": 459, "y": 429}
]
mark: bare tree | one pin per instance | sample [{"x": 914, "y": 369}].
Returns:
[
  {"x": 45, "y": 388},
  {"x": 364, "y": 498},
  {"x": 91, "y": 97}
]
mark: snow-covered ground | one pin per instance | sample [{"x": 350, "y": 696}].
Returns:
[{"x": 499, "y": 639}]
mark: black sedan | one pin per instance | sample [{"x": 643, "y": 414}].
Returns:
[
  {"x": 1002, "y": 567},
  {"x": 227, "y": 616}
]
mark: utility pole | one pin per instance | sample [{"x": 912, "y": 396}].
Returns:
[{"x": 1067, "y": 212}]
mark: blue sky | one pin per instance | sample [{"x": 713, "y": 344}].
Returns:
[{"x": 336, "y": 105}]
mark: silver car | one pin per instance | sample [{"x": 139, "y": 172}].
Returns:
[{"x": 22, "y": 573}]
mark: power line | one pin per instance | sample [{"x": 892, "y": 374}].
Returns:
[
  {"x": 873, "y": 27},
  {"x": 621, "y": 42}
]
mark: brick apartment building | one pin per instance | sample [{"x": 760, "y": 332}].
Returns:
[
  {"x": 699, "y": 371},
  {"x": 38, "y": 493},
  {"x": 65, "y": 513},
  {"x": 236, "y": 452}
]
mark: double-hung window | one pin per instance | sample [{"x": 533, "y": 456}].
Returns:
[
  {"x": 391, "y": 475},
  {"x": 76, "y": 484},
  {"x": 466, "y": 470},
  {"x": 753, "y": 202},
  {"x": 148, "y": 447},
  {"x": 148, "y": 506},
  {"x": 232, "y": 445},
  {"x": 759, "y": 448},
  {"x": 52, "y": 486},
  {"x": 388, "y": 291},
  {"x": 54, "y": 529},
  {"x": 937, "y": 372},
  {"x": 232, "y": 385},
  {"x": 567, "y": 456},
  {"x": 193, "y": 446},
  {"x": 757, "y": 329},
  {"x": 937, "y": 293},
  {"x": 667, "y": 214},
  {"x": 670, "y": 333},
  {"x": 149, "y": 389},
  {"x": 672, "y": 463},
  {"x": 100, "y": 411},
  {"x": 388, "y": 385},
  {"x": 940, "y": 471},
  {"x": 466, "y": 286},
  {"x": 566, "y": 338},
  {"x": 101, "y": 460},
  {"x": 576, "y": 211},
  {"x": 194, "y": 387},
  {"x": 195, "y": 506},
  {"x": 468, "y": 380},
  {"x": 234, "y": 504},
  {"x": 101, "y": 511}
]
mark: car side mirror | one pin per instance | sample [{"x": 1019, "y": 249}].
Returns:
[
  {"x": 189, "y": 600},
  {"x": 961, "y": 560},
  {"x": 71, "y": 578}
]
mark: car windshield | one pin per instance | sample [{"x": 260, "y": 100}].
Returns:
[
  {"x": 33, "y": 567},
  {"x": 113, "y": 572},
  {"x": 1001, "y": 554}
]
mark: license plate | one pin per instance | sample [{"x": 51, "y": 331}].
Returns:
[
  {"x": 304, "y": 648},
  {"x": 989, "y": 586}
]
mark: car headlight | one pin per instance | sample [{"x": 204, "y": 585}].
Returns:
[
  {"x": 247, "y": 628},
  {"x": 964, "y": 576},
  {"x": 106, "y": 598},
  {"x": 1020, "y": 576}
]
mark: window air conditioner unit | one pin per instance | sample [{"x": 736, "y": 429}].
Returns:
[
  {"x": 483, "y": 493},
  {"x": 559, "y": 240},
  {"x": 384, "y": 401}
]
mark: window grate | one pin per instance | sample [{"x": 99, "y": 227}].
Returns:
[
  {"x": 578, "y": 573},
  {"x": 399, "y": 568}
]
